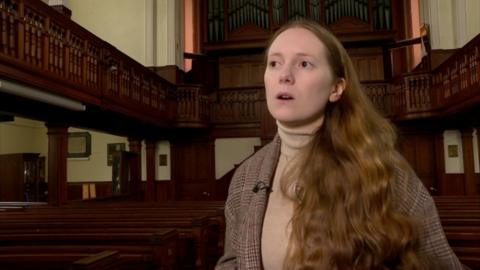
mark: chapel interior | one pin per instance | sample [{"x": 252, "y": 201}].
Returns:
[{"x": 122, "y": 122}]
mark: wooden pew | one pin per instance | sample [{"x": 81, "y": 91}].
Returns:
[
  {"x": 460, "y": 217},
  {"x": 142, "y": 250},
  {"x": 105, "y": 260},
  {"x": 213, "y": 210},
  {"x": 126, "y": 217}
]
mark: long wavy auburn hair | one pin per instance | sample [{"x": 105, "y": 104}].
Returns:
[{"x": 345, "y": 215}]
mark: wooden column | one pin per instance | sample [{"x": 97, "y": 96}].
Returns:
[
  {"x": 135, "y": 146},
  {"x": 478, "y": 149},
  {"x": 57, "y": 163},
  {"x": 150, "y": 190},
  {"x": 440, "y": 163},
  {"x": 468, "y": 163}
]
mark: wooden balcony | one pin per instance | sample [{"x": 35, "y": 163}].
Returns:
[
  {"x": 451, "y": 88},
  {"x": 42, "y": 49}
]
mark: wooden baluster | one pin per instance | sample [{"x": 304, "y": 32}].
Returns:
[
  {"x": 446, "y": 89},
  {"x": 476, "y": 64},
  {"x": 122, "y": 83},
  {"x": 78, "y": 62},
  {"x": 72, "y": 59},
  {"x": 87, "y": 66},
  {"x": 424, "y": 93},
  {"x": 179, "y": 102},
  {"x": 11, "y": 35},
  {"x": 412, "y": 93},
  {"x": 91, "y": 67},
  {"x": 466, "y": 74},
  {"x": 39, "y": 23},
  {"x": 68, "y": 54},
  {"x": 184, "y": 100},
  {"x": 96, "y": 69},
  {"x": 197, "y": 103},
  {"x": 188, "y": 108},
  {"x": 416, "y": 91},
  {"x": 4, "y": 34},
  {"x": 27, "y": 40},
  {"x": 51, "y": 51},
  {"x": 189, "y": 104},
  {"x": 59, "y": 51},
  {"x": 454, "y": 78},
  {"x": 33, "y": 43},
  {"x": 420, "y": 89},
  {"x": 473, "y": 66}
]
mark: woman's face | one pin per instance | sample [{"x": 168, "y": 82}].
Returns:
[{"x": 298, "y": 79}]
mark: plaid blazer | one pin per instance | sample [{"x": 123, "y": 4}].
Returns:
[{"x": 245, "y": 210}]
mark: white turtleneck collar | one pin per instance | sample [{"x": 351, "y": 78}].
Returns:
[{"x": 294, "y": 138}]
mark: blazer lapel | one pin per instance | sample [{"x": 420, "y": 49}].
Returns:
[{"x": 258, "y": 204}]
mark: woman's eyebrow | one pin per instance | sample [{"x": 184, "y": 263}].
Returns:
[
  {"x": 301, "y": 54},
  {"x": 275, "y": 54}
]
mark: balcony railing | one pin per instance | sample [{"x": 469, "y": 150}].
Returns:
[
  {"x": 236, "y": 106},
  {"x": 193, "y": 106},
  {"x": 44, "y": 49}
]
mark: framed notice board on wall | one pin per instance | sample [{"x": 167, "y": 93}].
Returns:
[{"x": 79, "y": 144}]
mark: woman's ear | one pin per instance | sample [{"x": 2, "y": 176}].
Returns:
[{"x": 337, "y": 90}]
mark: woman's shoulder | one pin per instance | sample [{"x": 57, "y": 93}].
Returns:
[
  {"x": 410, "y": 193},
  {"x": 264, "y": 156},
  {"x": 262, "y": 162}
]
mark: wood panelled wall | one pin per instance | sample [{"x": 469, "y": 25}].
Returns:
[
  {"x": 241, "y": 71},
  {"x": 419, "y": 149},
  {"x": 193, "y": 168},
  {"x": 368, "y": 62},
  {"x": 247, "y": 70}
]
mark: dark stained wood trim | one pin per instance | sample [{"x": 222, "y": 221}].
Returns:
[
  {"x": 135, "y": 146},
  {"x": 440, "y": 162},
  {"x": 468, "y": 162},
  {"x": 151, "y": 146},
  {"x": 57, "y": 163}
]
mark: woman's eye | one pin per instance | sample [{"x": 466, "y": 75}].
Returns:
[
  {"x": 305, "y": 64},
  {"x": 273, "y": 63}
]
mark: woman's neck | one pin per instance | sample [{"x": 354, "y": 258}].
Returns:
[{"x": 296, "y": 137}]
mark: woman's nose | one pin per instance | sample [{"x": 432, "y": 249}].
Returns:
[{"x": 286, "y": 76}]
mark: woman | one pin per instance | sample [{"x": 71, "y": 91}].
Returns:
[{"x": 330, "y": 191}]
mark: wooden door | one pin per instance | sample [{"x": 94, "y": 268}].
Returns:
[{"x": 193, "y": 170}]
